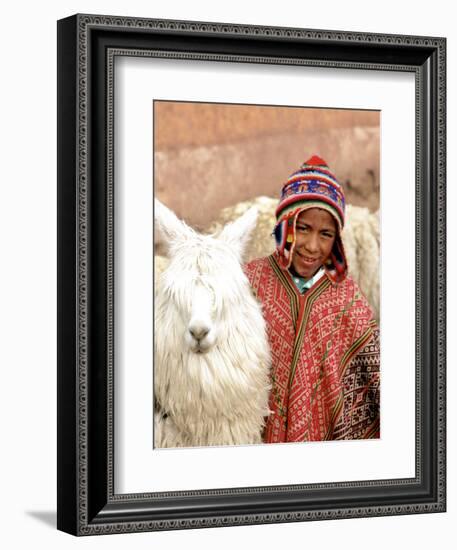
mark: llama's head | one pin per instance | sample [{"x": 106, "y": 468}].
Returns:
[{"x": 204, "y": 280}]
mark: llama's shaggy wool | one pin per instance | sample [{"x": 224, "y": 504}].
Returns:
[
  {"x": 212, "y": 390},
  {"x": 362, "y": 245}
]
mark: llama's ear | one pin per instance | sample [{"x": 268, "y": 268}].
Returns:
[
  {"x": 238, "y": 233},
  {"x": 171, "y": 228}
]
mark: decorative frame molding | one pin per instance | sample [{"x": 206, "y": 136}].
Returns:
[{"x": 88, "y": 45}]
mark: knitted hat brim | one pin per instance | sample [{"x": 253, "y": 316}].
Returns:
[{"x": 288, "y": 210}]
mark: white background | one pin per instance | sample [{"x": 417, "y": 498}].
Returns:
[
  {"x": 393, "y": 454},
  {"x": 28, "y": 272}
]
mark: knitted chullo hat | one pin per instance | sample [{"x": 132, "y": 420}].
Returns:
[{"x": 312, "y": 186}]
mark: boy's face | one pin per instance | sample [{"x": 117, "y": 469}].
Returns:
[{"x": 315, "y": 234}]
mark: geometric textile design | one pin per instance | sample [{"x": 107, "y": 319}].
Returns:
[{"x": 325, "y": 357}]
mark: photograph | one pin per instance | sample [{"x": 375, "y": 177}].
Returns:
[{"x": 266, "y": 274}]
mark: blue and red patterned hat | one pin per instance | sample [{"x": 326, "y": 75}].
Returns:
[{"x": 312, "y": 186}]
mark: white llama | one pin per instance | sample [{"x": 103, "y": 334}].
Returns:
[{"x": 211, "y": 363}]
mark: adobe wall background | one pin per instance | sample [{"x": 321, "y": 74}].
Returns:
[{"x": 210, "y": 156}]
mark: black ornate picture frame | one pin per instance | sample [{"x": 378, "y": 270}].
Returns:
[{"x": 87, "y": 47}]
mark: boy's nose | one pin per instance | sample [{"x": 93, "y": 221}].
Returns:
[{"x": 311, "y": 243}]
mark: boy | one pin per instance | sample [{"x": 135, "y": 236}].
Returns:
[{"x": 324, "y": 340}]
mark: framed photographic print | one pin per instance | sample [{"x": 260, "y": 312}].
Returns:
[{"x": 251, "y": 300}]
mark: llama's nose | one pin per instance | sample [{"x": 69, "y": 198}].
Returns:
[{"x": 199, "y": 332}]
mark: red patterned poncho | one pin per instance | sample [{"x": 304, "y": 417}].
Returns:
[{"x": 325, "y": 357}]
